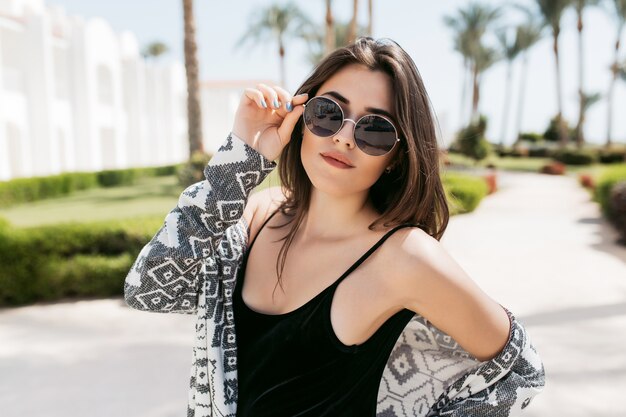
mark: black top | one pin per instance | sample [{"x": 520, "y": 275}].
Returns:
[{"x": 293, "y": 364}]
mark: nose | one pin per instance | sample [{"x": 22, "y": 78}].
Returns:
[{"x": 346, "y": 134}]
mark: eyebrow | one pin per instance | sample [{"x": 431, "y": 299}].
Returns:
[{"x": 370, "y": 109}]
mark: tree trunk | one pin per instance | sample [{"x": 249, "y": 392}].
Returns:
[
  {"x": 475, "y": 94},
  {"x": 330, "y": 43},
  {"x": 281, "y": 54},
  {"x": 614, "y": 70},
  {"x": 561, "y": 121},
  {"x": 370, "y": 11},
  {"x": 580, "y": 137},
  {"x": 522, "y": 90},
  {"x": 194, "y": 115},
  {"x": 352, "y": 31},
  {"x": 466, "y": 79},
  {"x": 507, "y": 99}
]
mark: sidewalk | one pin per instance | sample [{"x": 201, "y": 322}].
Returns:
[{"x": 538, "y": 246}]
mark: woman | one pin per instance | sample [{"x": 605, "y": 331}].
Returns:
[{"x": 403, "y": 331}]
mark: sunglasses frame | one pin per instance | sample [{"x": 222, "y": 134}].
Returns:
[{"x": 354, "y": 127}]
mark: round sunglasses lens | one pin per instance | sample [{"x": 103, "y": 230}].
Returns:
[
  {"x": 322, "y": 117},
  {"x": 374, "y": 135}
]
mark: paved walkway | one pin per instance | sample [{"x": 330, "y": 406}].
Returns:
[
  {"x": 540, "y": 247},
  {"x": 537, "y": 246}
]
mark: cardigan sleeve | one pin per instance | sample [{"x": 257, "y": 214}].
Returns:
[
  {"x": 500, "y": 387},
  {"x": 170, "y": 269}
]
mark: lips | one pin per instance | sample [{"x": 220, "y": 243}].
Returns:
[{"x": 338, "y": 157}]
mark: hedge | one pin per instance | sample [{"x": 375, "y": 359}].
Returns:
[
  {"x": 464, "y": 192},
  {"x": 68, "y": 260},
  {"x": 23, "y": 190},
  {"x": 575, "y": 157},
  {"x": 605, "y": 182}
]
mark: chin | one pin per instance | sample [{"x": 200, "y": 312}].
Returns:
[{"x": 333, "y": 181}]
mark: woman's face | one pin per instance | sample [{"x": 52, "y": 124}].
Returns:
[{"x": 354, "y": 88}]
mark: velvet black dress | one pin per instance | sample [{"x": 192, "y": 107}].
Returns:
[{"x": 293, "y": 364}]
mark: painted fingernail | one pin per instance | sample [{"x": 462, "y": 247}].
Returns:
[
  {"x": 263, "y": 103},
  {"x": 289, "y": 106},
  {"x": 276, "y": 104}
]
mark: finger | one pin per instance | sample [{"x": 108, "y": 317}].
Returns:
[
  {"x": 299, "y": 99},
  {"x": 284, "y": 96},
  {"x": 270, "y": 94},
  {"x": 256, "y": 96},
  {"x": 286, "y": 127}
]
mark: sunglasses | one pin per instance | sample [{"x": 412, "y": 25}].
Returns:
[{"x": 373, "y": 134}]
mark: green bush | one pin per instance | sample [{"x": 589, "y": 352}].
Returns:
[
  {"x": 464, "y": 192},
  {"x": 531, "y": 137},
  {"x": 116, "y": 177},
  {"x": 165, "y": 170},
  {"x": 52, "y": 262},
  {"x": 471, "y": 140},
  {"x": 605, "y": 182},
  {"x": 574, "y": 157},
  {"x": 611, "y": 156},
  {"x": 24, "y": 190},
  {"x": 86, "y": 276},
  {"x": 21, "y": 190},
  {"x": 552, "y": 134},
  {"x": 617, "y": 202},
  {"x": 540, "y": 151}
]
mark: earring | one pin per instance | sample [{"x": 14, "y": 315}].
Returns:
[{"x": 388, "y": 170}]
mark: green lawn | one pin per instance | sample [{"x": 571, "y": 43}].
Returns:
[
  {"x": 508, "y": 162},
  {"x": 150, "y": 196},
  {"x": 525, "y": 164}
]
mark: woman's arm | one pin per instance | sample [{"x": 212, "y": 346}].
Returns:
[
  {"x": 169, "y": 270},
  {"x": 500, "y": 387},
  {"x": 436, "y": 287}
]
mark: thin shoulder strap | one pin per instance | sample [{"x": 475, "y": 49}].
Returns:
[
  {"x": 373, "y": 248},
  {"x": 261, "y": 228}
]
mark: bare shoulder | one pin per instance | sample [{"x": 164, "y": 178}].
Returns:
[
  {"x": 260, "y": 205},
  {"x": 422, "y": 261},
  {"x": 430, "y": 282}
]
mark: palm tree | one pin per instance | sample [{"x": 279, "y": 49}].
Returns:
[
  {"x": 622, "y": 71},
  {"x": 620, "y": 14},
  {"x": 510, "y": 49},
  {"x": 355, "y": 13},
  {"x": 461, "y": 44},
  {"x": 528, "y": 34},
  {"x": 316, "y": 43},
  {"x": 154, "y": 50},
  {"x": 484, "y": 58},
  {"x": 469, "y": 25},
  {"x": 277, "y": 22},
  {"x": 194, "y": 116},
  {"x": 552, "y": 10},
  {"x": 588, "y": 101},
  {"x": 330, "y": 30},
  {"x": 583, "y": 105}
]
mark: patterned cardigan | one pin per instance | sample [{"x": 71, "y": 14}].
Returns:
[{"x": 190, "y": 266}]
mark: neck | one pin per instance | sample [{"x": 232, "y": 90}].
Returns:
[{"x": 333, "y": 218}]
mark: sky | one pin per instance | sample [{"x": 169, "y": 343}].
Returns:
[{"x": 418, "y": 27}]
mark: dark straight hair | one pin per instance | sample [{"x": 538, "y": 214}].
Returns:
[{"x": 412, "y": 192}]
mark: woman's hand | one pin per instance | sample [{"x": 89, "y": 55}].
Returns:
[{"x": 267, "y": 129}]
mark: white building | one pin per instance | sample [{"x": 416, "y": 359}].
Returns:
[{"x": 76, "y": 96}]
